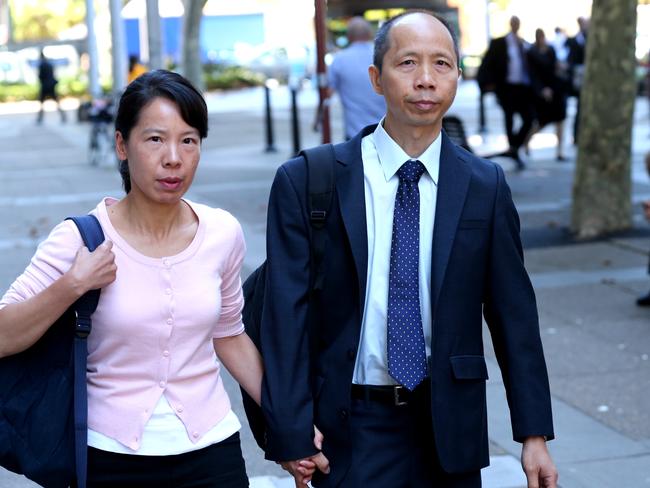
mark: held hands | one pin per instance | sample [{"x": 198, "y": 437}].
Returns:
[
  {"x": 93, "y": 270},
  {"x": 303, "y": 469},
  {"x": 537, "y": 463}
]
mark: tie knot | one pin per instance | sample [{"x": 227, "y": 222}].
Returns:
[{"x": 411, "y": 171}]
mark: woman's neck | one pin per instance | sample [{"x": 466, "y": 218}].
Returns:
[{"x": 139, "y": 216}]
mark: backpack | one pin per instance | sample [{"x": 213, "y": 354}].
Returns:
[
  {"x": 320, "y": 174},
  {"x": 43, "y": 400}
]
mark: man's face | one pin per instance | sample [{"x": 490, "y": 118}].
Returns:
[
  {"x": 420, "y": 74},
  {"x": 514, "y": 24}
]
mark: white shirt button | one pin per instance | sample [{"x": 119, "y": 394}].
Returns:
[
  {"x": 195, "y": 434},
  {"x": 168, "y": 291},
  {"x": 170, "y": 321},
  {"x": 166, "y": 353},
  {"x": 161, "y": 384},
  {"x": 179, "y": 408},
  {"x": 166, "y": 263}
]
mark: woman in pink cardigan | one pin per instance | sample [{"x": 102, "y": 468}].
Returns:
[{"x": 171, "y": 302}]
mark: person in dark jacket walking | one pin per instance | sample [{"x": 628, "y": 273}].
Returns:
[
  {"x": 505, "y": 71},
  {"x": 549, "y": 88},
  {"x": 48, "y": 87}
]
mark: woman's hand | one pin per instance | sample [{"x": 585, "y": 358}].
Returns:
[
  {"x": 92, "y": 270},
  {"x": 89, "y": 271}
]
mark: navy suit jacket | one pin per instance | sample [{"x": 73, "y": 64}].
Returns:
[{"x": 477, "y": 271}]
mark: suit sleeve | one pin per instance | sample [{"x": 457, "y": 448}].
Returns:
[
  {"x": 511, "y": 314},
  {"x": 286, "y": 394},
  {"x": 486, "y": 71}
]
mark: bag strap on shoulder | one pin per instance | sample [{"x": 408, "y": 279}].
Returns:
[
  {"x": 92, "y": 235},
  {"x": 320, "y": 175}
]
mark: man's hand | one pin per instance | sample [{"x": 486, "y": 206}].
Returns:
[
  {"x": 537, "y": 463},
  {"x": 303, "y": 469}
]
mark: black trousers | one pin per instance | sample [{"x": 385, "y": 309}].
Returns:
[
  {"x": 393, "y": 447},
  {"x": 517, "y": 99},
  {"x": 220, "y": 465}
]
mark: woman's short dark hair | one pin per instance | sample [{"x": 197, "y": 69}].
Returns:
[
  {"x": 146, "y": 88},
  {"x": 382, "y": 39}
]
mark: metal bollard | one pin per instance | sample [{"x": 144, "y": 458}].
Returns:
[
  {"x": 481, "y": 114},
  {"x": 295, "y": 123},
  {"x": 270, "y": 139}
]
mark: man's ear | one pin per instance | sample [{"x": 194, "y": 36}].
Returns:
[
  {"x": 375, "y": 79},
  {"x": 120, "y": 146}
]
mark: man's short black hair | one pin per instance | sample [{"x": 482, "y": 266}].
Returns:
[{"x": 382, "y": 40}]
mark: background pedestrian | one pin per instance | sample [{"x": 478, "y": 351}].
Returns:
[
  {"x": 348, "y": 76},
  {"x": 48, "y": 84}
]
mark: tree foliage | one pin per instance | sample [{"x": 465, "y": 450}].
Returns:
[
  {"x": 34, "y": 20},
  {"x": 602, "y": 187}
]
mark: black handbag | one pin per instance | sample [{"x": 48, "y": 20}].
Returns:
[{"x": 43, "y": 400}]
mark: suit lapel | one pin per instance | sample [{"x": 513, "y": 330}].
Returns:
[
  {"x": 453, "y": 183},
  {"x": 350, "y": 192}
]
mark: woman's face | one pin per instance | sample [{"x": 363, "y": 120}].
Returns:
[{"x": 163, "y": 152}]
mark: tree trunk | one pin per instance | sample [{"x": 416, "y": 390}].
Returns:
[
  {"x": 191, "y": 55},
  {"x": 154, "y": 34},
  {"x": 602, "y": 187}
]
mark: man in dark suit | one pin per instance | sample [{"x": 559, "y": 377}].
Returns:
[
  {"x": 386, "y": 357},
  {"x": 577, "y": 46},
  {"x": 504, "y": 70}
]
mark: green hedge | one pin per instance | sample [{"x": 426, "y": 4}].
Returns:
[
  {"x": 216, "y": 77},
  {"x": 66, "y": 87},
  {"x": 16, "y": 92},
  {"x": 223, "y": 78}
]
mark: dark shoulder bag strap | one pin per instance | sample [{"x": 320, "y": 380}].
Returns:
[
  {"x": 92, "y": 235},
  {"x": 320, "y": 173}
]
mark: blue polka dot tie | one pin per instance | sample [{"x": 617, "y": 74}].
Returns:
[{"x": 407, "y": 362}]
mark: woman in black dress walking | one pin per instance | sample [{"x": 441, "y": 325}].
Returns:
[{"x": 549, "y": 86}]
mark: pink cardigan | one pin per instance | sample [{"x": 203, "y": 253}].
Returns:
[{"x": 153, "y": 328}]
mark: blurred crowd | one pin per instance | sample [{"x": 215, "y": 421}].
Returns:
[{"x": 533, "y": 82}]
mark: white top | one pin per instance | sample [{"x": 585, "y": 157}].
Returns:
[
  {"x": 382, "y": 157},
  {"x": 164, "y": 434}
]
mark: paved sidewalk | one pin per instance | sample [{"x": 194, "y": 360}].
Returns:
[{"x": 597, "y": 342}]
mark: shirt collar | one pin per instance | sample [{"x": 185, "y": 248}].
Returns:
[{"x": 392, "y": 156}]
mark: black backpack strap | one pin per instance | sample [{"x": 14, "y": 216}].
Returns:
[
  {"x": 320, "y": 174},
  {"x": 92, "y": 235}
]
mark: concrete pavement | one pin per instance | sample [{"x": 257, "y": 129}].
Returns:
[{"x": 597, "y": 341}]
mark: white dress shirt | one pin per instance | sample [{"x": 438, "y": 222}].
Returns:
[
  {"x": 382, "y": 157},
  {"x": 517, "y": 71}
]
